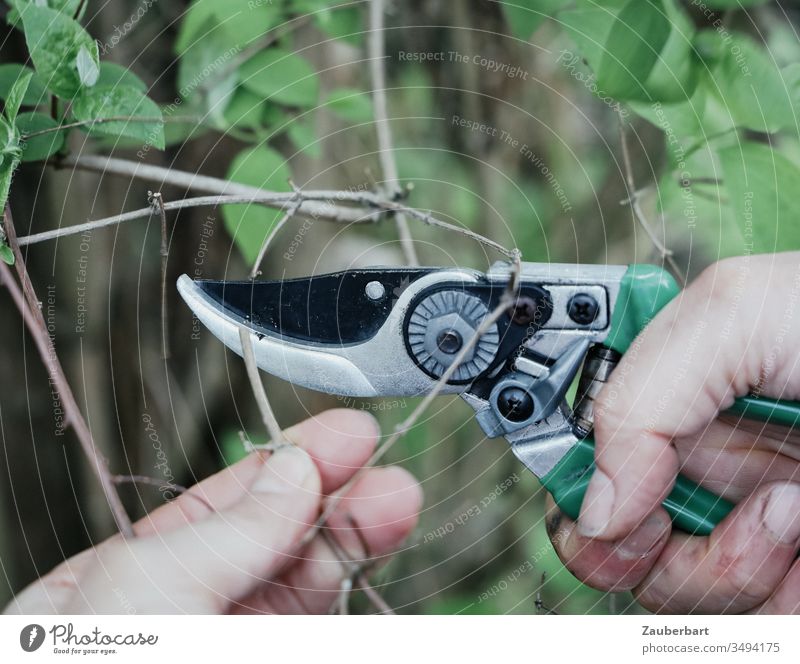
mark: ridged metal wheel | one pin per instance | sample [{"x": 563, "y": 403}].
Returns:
[{"x": 441, "y": 325}]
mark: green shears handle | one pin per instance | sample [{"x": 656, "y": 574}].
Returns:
[{"x": 644, "y": 290}]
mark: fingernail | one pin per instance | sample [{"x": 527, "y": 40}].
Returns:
[
  {"x": 781, "y": 515},
  {"x": 644, "y": 539},
  {"x": 286, "y": 469},
  {"x": 598, "y": 503}
]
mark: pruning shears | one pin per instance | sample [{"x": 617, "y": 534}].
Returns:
[{"x": 389, "y": 332}]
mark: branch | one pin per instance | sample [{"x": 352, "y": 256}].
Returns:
[
  {"x": 297, "y": 202},
  {"x": 30, "y": 307},
  {"x": 158, "y": 199},
  {"x": 377, "y": 56},
  {"x": 633, "y": 201},
  {"x": 327, "y": 209},
  {"x": 267, "y": 414}
]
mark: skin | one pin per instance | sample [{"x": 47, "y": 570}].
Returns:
[
  {"x": 734, "y": 330},
  {"x": 234, "y": 550}
]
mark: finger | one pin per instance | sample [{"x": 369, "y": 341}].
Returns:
[
  {"x": 377, "y": 514},
  {"x": 340, "y": 441},
  {"x": 786, "y": 598},
  {"x": 616, "y": 566},
  {"x": 738, "y": 566},
  {"x": 204, "y": 566},
  {"x": 700, "y": 351}
]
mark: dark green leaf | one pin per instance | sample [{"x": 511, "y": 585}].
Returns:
[
  {"x": 40, "y": 147},
  {"x": 632, "y": 49},
  {"x": 112, "y": 74},
  {"x": 55, "y": 41},
  {"x": 760, "y": 185},
  {"x": 351, "y": 105},
  {"x": 121, "y": 102},
  {"x": 733, "y": 4},
  {"x": 16, "y": 95},
  {"x": 525, "y": 16},
  {"x": 249, "y": 224},
  {"x": 9, "y": 74},
  {"x": 281, "y": 77}
]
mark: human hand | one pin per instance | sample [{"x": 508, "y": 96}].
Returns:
[
  {"x": 240, "y": 556},
  {"x": 735, "y": 330}
]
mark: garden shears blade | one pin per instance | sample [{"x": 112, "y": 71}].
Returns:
[{"x": 389, "y": 332}]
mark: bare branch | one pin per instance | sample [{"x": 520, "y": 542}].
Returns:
[
  {"x": 298, "y": 201},
  {"x": 29, "y": 306},
  {"x": 267, "y": 414},
  {"x": 638, "y": 213},
  {"x": 377, "y": 70},
  {"x": 158, "y": 200}
]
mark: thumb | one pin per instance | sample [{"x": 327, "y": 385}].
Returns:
[
  {"x": 204, "y": 566},
  {"x": 709, "y": 345}
]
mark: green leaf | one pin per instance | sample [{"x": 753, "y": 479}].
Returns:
[
  {"x": 244, "y": 20},
  {"x": 88, "y": 68},
  {"x": 66, "y": 7},
  {"x": 746, "y": 84},
  {"x": 245, "y": 109},
  {"x": 249, "y": 224},
  {"x": 350, "y": 104},
  {"x": 525, "y": 16},
  {"x": 760, "y": 185},
  {"x": 121, "y": 101},
  {"x": 111, "y": 74},
  {"x": 589, "y": 29},
  {"x": 208, "y": 63},
  {"x": 6, "y": 255},
  {"x": 635, "y": 41},
  {"x": 11, "y": 73},
  {"x": 16, "y": 95},
  {"x": 733, "y": 4},
  {"x": 305, "y": 138},
  {"x": 9, "y": 158},
  {"x": 342, "y": 22},
  {"x": 41, "y": 147},
  {"x": 281, "y": 77},
  {"x": 55, "y": 42}
]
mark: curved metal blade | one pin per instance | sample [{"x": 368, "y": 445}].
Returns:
[{"x": 323, "y": 339}]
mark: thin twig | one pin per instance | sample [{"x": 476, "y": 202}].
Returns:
[
  {"x": 298, "y": 201},
  {"x": 633, "y": 201},
  {"x": 322, "y": 208},
  {"x": 30, "y": 308},
  {"x": 264, "y": 407},
  {"x": 158, "y": 201},
  {"x": 377, "y": 68},
  {"x": 370, "y": 212}
]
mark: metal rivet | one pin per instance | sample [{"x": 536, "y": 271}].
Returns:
[
  {"x": 583, "y": 309},
  {"x": 375, "y": 290}
]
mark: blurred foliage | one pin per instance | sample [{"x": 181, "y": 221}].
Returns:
[{"x": 261, "y": 92}]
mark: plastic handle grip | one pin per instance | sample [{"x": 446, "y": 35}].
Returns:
[{"x": 644, "y": 290}]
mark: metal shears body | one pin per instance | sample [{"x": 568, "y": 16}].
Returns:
[{"x": 386, "y": 332}]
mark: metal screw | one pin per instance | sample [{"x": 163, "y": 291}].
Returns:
[
  {"x": 515, "y": 404},
  {"x": 524, "y": 310},
  {"x": 375, "y": 290},
  {"x": 449, "y": 341},
  {"x": 583, "y": 308}
]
